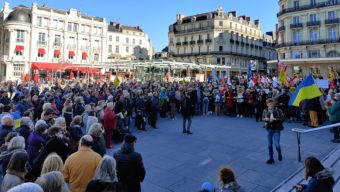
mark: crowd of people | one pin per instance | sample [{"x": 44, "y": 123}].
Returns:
[{"x": 57, "y": 135}]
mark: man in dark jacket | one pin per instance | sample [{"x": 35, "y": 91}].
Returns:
[
  {"x": 187, "y": 112},
  {"x": 273, "y": 118},
  {"x": 130, "y": 168}
]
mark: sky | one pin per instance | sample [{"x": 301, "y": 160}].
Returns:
[{"x": 155, "y": 16}]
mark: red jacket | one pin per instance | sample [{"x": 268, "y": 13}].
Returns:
[{"x": 110, "y": 120}]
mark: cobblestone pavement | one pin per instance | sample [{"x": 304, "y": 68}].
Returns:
[{"x": 181, "y": 163}]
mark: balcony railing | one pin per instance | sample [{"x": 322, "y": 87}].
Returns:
[
  {"x": 194, "y": 29},
  {"x": 192, "y": 42},
  {"x": 84, "y": 47},
  {"x": 313, "y": 23},
  {"x": 218, "y": 53},
  {"x": 71, "y": 46},
  {"x": 185, "y": 43},
  {"x": 332, "y": 21},
  {"x": 296, "y": 25},
  {"x": 326, "y": 3},
  {"x": 20, "y": 40},
  {"x": 178, "y": 44},
  {"x": 96, "y": 49},
  {"x": 200, "y": 41},
  {"x": 56, "y": 44},
  {"x": 282, "y": 28},
  {"x": 41, "y": 43},
  {"x": 314, "y": 42},
  {"x": 208, "y": 41}
]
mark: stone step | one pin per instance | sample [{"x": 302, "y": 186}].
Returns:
[{"x": 331, "y": 161}]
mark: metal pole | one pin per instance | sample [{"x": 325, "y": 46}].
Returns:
[{"x": 298, "y": 135}]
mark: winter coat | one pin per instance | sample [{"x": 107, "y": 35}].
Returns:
[
  {"x": 187, "y": 107},
  {"x": 102, "y": 186},
  {"x": 76, "y": 132},
  {"x": 24, "y": 131},
  {"x": 35, "y": 142},
  {"x": 232, "y": 187},
  {"x": 334, "y": 112},
  {"x": 277, "y": 123},
  {"x": 323, "y": 181},
  {"x": 98, "y": 146},
  {"x": 130, "y": 168},
  {"x": 3, "y": 133},
  {"x": 6, "y": 156},
  {"x": 110, "y": 120},
  {"x": 10, "y": 181}
]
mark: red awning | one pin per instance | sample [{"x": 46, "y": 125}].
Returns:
[
  {"x": 50, "y": 66},
  {"x": 57, "y": 52},
  {"x": 84, "y": 55},
  {"x": 71, "y": 53},
  {"x": 41, "y": 51},
  {"x": 19, "y": 48},
  {"x": 62, "y": 67}
]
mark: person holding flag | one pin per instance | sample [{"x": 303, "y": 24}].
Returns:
[{"x": 307, "y": 90}]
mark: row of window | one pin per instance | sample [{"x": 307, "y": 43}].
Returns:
[
  {"x": 297, "y": 54},
  {"x": 296, "y": 3},
  {"x": 220, "y": 37},
  {"x": 127, "y": 49},
  {"x": 56, "y": 55},
  {"x": 73, "y": 27},
  {"x": 312, "y": 17},
  {"x": 127, "y": 40},
  {"x": 208, "y": 24},
  {"x": 220, "y": 49},
  {"x": 313, "y": 35}
]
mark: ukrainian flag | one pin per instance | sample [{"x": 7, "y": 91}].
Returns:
[
  {"x": 306, "y": 90},
  {"x": 17, "y": 119}
]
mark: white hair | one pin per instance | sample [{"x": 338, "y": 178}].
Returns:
[
  {"x": 6, "y": 119},
  {"x": 110, "y": 104},
  {"x": 17, "y": 142},
  {"x": 106, "y": 170},
  {"x": 25, "y": 121},
  {"x": 40, "y": 124},
  {"x": 27, "y": 187},
  {"x": 59, "y": 120},
  {"x": 94, "y": 129}
]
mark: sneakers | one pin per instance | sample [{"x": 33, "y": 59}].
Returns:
[
  {"x": 189, "y": 133},
  {"x": 184, "y": 132},
  {"x": 280, "y": 157},
  {"x": 270, "y": 161}
]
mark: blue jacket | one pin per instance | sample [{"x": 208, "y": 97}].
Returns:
[
  {"x": 334, "y": 112},
  {"x": 323, "y": 181}
]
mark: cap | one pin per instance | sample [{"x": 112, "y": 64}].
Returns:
[
  {"x": 130, "y": 138},
  {"x": 207, "y": 186}
]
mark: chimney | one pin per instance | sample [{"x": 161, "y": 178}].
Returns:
[
  {"x": 248, "y": 19},
  {"x": 243, "y": 17},
  {"x": 257, "y": 22},
  {"x": 233, "y": 13}
]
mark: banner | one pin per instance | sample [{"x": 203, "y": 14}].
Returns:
[{"x": 322, "y": 83}]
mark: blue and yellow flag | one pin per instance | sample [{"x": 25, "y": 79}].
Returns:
[
  {"x": 306, "y": 90},
  {"x": 17, "y": 119}
]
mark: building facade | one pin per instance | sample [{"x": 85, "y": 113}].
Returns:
[
  {"x": 309, "y": 37},
  {"x": 218, "y": 38},
  {"x": 128, "y": 43}
]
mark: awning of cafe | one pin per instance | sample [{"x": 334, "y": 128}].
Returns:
[{"x": 62, "y": 67}]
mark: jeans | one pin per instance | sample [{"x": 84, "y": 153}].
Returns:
[
  {"x": 185, "y": 119},
  {"x": 205, "y": 107},
  {"x": 198, "y": 108},
  {"x": 273, "y": 134}
]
